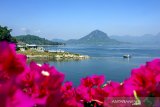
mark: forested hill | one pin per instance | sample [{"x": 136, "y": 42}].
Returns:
[
  {"x": 95, "y": 37},
  {"x": 32, "y": 39}
]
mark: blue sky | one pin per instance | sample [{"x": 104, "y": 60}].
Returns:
[{"x": 68, "y": 19}]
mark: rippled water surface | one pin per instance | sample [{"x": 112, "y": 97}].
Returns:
[{"x": 106, "y": 60}]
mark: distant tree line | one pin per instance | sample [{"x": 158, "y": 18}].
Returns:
[{"x": 32, "y": 39}]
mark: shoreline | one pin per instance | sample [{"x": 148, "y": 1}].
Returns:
[{"x": 32, "y": 54}]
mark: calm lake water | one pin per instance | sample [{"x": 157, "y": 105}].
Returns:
[{"x": 105, "y": 60}]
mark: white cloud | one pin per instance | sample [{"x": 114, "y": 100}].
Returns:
[
  {"x": 38, "y": 31},
  {"x": 25, "y": 30}
]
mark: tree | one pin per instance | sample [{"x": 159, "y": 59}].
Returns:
[{"x": 5, "y": 35}]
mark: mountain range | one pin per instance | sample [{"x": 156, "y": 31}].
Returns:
[
  {"x": 146, "y": 39},
  {"x": 95, "y": 37},
  {"x": 99, "y": 37}
]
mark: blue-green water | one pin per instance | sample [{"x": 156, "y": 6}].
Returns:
[{"x": 105, "y": 60}]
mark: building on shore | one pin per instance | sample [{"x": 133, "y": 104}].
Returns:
[{"x": 23, "y": 47}]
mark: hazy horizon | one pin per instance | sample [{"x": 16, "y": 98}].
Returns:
[
  {"x": 89, "y": 33},
  {"x": 74, "y": 19}
]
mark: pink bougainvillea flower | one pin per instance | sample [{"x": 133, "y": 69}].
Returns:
[
  {"x": 40, "y": 82},
  {"x": 87, "y": 82},
  {"x": 11, "y": 63},
  {"x": 154, "y": 66},
  {"x": 47, "y": 75},
  {"x": 142, "y": 80},
  {"x": 98, "y": 80},
  {"x": 69, "y": 98},
  {"x": 71, "y": 102},
  {"x": 98, "y": 95},
  {"x": 111, "y": 87},
  {"x": 66, "y": 86},
  {"x": 19, "y": 99},
  {"x": 113, "y": 90},
  {"x": 83, "y": 93},
  {"x": 6, "y": 90},
  {"x": 51, "y": 82},
  {"x": 94, "y": 80}
]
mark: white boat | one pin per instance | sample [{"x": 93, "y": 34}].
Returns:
[{"x": 127, "y": 56}]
